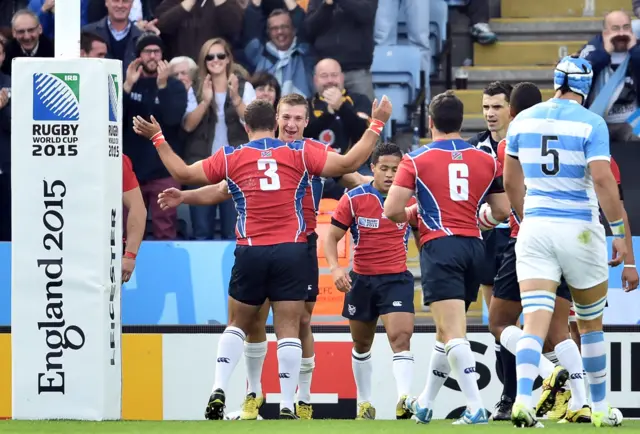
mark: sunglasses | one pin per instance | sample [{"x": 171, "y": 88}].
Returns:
[{"x": 219, "y": 56}]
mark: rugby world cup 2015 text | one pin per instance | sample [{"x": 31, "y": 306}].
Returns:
[
  {"x": 51, "y": 140},
  {"x": 58, "y": 335}
]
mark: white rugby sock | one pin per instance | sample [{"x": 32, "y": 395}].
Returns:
[
  {"x": 362, "y": 372},
  {"x": 464, "y": 365},
  {"x": 403, "y": 372},
  {"x": 254, "y": 355},
  {"x": 570, "y": 358},
  {"x": 439, "y": 369},
  {"x": 304, "y": 383},
  {"x": 230, "y": 346},
  {"x": 289, "y": 359},
  {"x": 509, "y": 339}
]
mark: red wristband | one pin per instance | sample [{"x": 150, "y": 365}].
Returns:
[
  {"x": 157, "y": 139},
  {"x": 129, "y": 255},
  {"x": 376, "y": 126}
]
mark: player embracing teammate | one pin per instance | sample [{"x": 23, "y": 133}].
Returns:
[{"x": 268, "y": 180}]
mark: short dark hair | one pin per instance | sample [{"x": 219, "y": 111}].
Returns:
[
  {"x": 385, "y": 148},
  {"x": 446, "y": 111},
  {"x": 524, "y": 95},
  {"x": 260, "y": 116},
  {"x": 87, "y": 39},
  {"x": 294, "y": 99},
  {"x": 498, "y": 88},
  {"x": 263, "y": 78}
]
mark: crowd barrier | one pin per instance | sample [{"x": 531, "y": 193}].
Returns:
[
  {"x": 168, "y": 372},
  {"x": 186, "y": 283}
]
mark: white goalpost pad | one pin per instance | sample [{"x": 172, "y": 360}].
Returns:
[{"x": 66, "y": 238}]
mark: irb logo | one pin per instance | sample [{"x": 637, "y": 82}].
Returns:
[{"x": 56, "y": 97}]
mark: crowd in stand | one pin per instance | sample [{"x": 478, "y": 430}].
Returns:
[{"x": 196, "y": 64}]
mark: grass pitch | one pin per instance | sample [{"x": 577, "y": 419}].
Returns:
[{"x": 288, "y": 427}]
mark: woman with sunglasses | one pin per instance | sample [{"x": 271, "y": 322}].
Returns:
[{"x": 215, "y": 120}]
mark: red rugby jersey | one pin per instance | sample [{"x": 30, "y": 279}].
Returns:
[
  {"x": 514, "y": 221},
  {"x": 267, "y": 179},
  {"x": 129, "y": 180},
  {"x": 380, "y": 244},
  {"x": 311, "y": 200},
  {"x": 450, "y": 178}
]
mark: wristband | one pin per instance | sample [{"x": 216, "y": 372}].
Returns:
[
  {"x": 617, "y": 228},
  {"x": 376, "y": 126},
  {"x": 157, "y": 139},
  {"x": 629, "y": 265},
  {"x": 486, "y": 219},
  {"x": 129, "y": 255}
]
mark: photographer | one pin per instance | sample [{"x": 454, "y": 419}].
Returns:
[{"x": 615, "y": 92}]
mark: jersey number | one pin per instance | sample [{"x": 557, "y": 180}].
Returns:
[
  {"x": 270, "y": 168},
  {"x": 555, "y": 166},
  {"x": 458, "y": 181}
]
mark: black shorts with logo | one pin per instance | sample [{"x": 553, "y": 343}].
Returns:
[
  {"x": 278, "y": 272},
  {"x": 506, "y": 287},
  {"x": 312, "y": 269},
  {"x": 373, "y": 296},
  {"x": 495, "y": 241},
  {"x": 451, "y": 268}
]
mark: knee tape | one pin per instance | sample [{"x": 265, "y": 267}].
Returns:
[
  {"x": 537, "y": 300},
  {"x": 591, "y": 311}
]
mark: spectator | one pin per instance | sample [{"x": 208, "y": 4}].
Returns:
[
  {"x": 184, "y": 69},
  {"x": 478, "y": 13},
  {"x": 188, "y": 24},
  {"x": 216, "y": 121},
  {"x": 343, "y": 30},
  {"x": 28, "y": 40},
  {"x": 615, "y": 90},
  {"x": 45, "y": 10},
  {"x": 119, "y": 32},
  {"x": 5, "y": 153},
  {"x": 92, "y": 45},
  {"x": 284, "y": 55},
  {"x": 141, "y": 10},
  {"x": 416, "y": 13},
  {"x": 267, "y": 87},
  {"x": 338, "y": 117},
  {"x": 149, "y": 90}
]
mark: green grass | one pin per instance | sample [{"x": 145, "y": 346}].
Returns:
[{"x": 287, "y": 427}]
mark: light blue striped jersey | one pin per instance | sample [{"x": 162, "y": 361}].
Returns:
[{"x": 555, "y": 141}]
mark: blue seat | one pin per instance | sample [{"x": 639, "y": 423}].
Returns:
[
  {"x": 397, "y": 64},
  {"x": 457, "y": 3}
]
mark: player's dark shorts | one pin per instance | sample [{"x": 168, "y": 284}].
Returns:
[
  {"x": 278, "y": 273},
  {"x": 451, "y": 268},
  {"x": 312, "y": 268},
  {"x": 495, "y": 241},
  {"x": 372, "y": 296},
  {"x": 505, "y": 286}
]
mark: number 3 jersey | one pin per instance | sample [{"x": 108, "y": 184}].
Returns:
[
  {"x": 450, "y": 178},
  {"x": 555, "y": 141},
  {"x": 268, "y": 180}
]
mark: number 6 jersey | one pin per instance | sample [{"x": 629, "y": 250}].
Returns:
[
  {"x": 268, "y": 180},
  {"x": 450, "y": 178}
]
